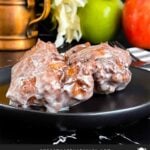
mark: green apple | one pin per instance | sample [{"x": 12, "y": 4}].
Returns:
[{"x": 100, "y": 20}]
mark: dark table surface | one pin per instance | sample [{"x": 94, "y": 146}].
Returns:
[{"x": 133, "y": 133}]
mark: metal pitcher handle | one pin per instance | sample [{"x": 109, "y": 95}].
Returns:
[{"x": 45, "y": 13}]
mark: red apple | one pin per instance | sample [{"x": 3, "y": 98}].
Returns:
[{"x": 136, "y": 22}]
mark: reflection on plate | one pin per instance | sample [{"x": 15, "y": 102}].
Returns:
[{"x": 125, "y": 106}]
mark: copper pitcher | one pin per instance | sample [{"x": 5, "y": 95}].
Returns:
[{"x": 18, "y": 23}]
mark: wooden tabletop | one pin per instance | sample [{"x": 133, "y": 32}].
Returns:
[{"x": 9, "y": 58}]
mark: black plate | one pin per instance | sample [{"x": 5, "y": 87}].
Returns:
[{"x": 125, "y": 106}]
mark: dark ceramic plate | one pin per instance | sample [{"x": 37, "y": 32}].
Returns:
[{"x": 125, "y": 106}]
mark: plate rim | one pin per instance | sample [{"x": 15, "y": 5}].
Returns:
[{"x": 77, "y": 114}]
